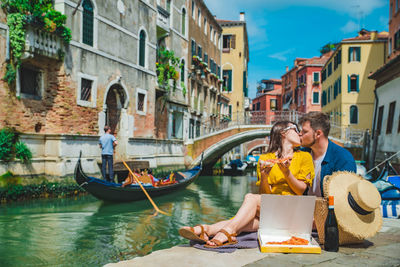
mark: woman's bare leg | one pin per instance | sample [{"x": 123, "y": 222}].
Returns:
[{"x": 246, "y": 219}]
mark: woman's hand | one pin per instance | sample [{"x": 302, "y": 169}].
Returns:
[
  {"x": 284, "y": 166},
  {"x": 265, "y": 168}
]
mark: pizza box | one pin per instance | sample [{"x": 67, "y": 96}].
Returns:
[{"x": 283, "y": 217}]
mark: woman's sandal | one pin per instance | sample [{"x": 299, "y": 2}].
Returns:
[
  {"x": 219, "y": 243},
  {"x": 191, "y": 235}
]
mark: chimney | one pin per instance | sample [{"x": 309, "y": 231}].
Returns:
[
  {"x": 287, "y": 68},
  {"x": 241, "y": 16},
  {"x": 374, "y": 35}
]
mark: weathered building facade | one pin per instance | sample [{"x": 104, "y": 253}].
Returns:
[
  {"x": 206, "y": 107},
  {"x": 107, "y": 76},
  {"x": 235, "y": 59}
]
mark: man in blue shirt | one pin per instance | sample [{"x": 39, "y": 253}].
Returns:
[
  {"x": 328, "y": 157},
  {"x": 107, "y": 142}
]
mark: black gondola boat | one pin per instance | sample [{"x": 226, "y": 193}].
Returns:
[{"x": 114, "y": 192}]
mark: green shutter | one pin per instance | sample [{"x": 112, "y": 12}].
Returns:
[
  {"x": 358, "y": 53},
  {"x": 230, "y": 81},
  {"x": 350, "y": 50},
  {"x": 348, "y": 84},
  {"x": 358, "y": 88}
]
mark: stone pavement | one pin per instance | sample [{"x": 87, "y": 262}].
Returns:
[{"x": 381, "y": 250}]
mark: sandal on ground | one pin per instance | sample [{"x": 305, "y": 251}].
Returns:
[
  {"x": 219, "y": 243},
  {"x": 191, "y": 235}
]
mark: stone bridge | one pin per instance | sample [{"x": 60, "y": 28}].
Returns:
[{"x": 216, "y": 144}]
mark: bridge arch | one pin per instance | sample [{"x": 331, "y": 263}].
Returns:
[{"x": 214, "y": 152}]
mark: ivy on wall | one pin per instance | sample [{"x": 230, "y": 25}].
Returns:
[{"x": 39, "y": 13}]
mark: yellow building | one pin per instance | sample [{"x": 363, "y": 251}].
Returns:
[
  {"x": 347, "y": 93},
  {"x": 235, "y": 58}
]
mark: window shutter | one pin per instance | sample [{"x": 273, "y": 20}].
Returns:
[
  {"x": 358, "y": 53},
  {"x": 233, "y": 41},
  {"x": 348, "y": 84},
  {"x": 350, "y": 49},
  {"x": 340, "y": 84},
  {"x": 230, "y": 80},
  {"x": 358, "y": 88}
]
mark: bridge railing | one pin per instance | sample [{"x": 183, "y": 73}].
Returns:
[{"x": 345, "y": 134}]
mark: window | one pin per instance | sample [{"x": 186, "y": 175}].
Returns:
[
  {"x": 87, "y": 22},
  {"x": 142, "y": 48},
  {"x": 197, "y": 128},
  {"x": 228, "y": 42},
  {"x": 353, "y": 114},
  {"x": 329, "y": 94},
  {"x": 168, "y": 6},
  {"x": 379, "y": 122},
  {"x": 339, "y": 57},
  {"x": 315, "y": 97},
  {"x": 316, "y": 76},
  {"x": 183, "y": 21},
  {"x": 335, "y": 89},
  {"x": 323, "y": 98},
  {"x": 227, "y": 80},
  {"x": 199, "y": 17},
  {"x": 211, "y": 33},
  {"x": 183, "y": 70},
  {"x": 389, "y": 125},
  {"x": 340, "y": 85},
  {"x": 230, "y": 111},
  {"x": 30, "y": 82},
  {"x": 354, "y": 54},
  {"x": 199, "y": 52},
  {"x": 206, "y": 58},
  {"x": 193, "y": 48},
  {"x": 141, "y": 101},
  {"x": 353, "y": 83},
  {"x": 329, "y": 68},
  {"x": 86, "y": 90},
  {"x": 193, "y": 6},
  {"x": 258, "y": 106},
  {"x": 272, "y": 104},
  {"x": 205, "y": 25},
  {"x": 191, "y": 128}
]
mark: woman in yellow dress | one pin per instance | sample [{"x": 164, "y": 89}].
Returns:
[{"x": 283, "y": 170}]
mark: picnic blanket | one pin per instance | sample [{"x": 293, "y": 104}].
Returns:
[{"x": 245, "y": 240}]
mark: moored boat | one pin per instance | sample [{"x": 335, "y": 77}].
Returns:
[{"x": 114, "y": 192}]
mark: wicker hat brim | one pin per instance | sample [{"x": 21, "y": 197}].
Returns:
[{"x": 361, "y": 226}]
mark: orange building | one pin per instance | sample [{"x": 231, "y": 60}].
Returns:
[{"x": 267, "y": 102}]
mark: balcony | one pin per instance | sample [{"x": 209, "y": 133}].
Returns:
[
  {"x": 162, "y": 21},
  {"x": 40, "y": 42}
]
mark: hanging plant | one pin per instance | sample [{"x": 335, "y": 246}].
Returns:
[
  {"x": 168, "y": 68},
  {"x": 36, "y": 12}
]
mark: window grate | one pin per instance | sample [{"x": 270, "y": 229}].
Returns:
[
  {"x": 30, "y": 81},
  {"x": 86, "y": 90},
  {"x": 140, "y": 104}
]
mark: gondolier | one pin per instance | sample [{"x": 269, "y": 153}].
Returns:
[{"x": 107, "y": 142}]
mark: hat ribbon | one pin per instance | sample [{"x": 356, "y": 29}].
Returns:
[{"x": 353, "y": 204}]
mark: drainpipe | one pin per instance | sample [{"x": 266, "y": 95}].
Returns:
[{"x": 372, "y": 156}]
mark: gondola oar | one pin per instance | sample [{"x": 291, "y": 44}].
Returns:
[{"x": 145, "y": 192}]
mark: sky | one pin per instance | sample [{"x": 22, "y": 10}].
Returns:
[{"x": 281, "y": 30}]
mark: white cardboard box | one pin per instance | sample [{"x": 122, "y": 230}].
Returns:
[{"x": 282, "y": 217}]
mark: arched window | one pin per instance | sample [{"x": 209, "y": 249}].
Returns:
[
  {"x": 183, "y": 70},
  {"x": 353, "y": 114},
  {"x": 183, "y": 21},
  {"x": 87, "y": 22},
  {"x": 142, "y": 48}
]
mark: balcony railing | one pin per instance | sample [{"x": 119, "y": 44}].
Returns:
[
  {"x": 40, "y": 42},
  {"x": 163, "y": 18}
]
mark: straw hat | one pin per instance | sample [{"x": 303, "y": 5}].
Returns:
[{"x": 357, "y": 203}]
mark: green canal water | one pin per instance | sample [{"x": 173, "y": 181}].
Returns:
[{"x": 84, "y": 231}]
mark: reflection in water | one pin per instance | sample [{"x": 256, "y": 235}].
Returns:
[{"x": 85, "y": 231}]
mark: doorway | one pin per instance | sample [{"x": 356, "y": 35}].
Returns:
[{"x": 115, "y": 102}]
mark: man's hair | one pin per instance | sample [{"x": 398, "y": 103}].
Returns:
[
  {"x": 318, "y": 121},
  {"x": 106, "y": 128}
]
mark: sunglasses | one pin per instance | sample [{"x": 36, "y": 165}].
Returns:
[{"x": 293, "y": 126}]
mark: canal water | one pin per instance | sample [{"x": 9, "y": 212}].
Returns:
[{"x": 84, "y": 231}]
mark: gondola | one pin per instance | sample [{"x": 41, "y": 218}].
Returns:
[{"x": 114, "y": 192}]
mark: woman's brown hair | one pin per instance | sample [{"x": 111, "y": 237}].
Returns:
[{"x": 275, "y": 140}]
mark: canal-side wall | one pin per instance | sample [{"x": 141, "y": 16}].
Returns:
[{"x": 57, "y": 154}]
